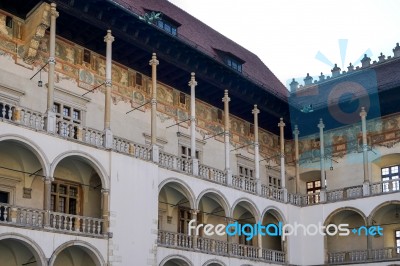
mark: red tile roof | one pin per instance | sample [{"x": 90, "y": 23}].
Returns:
[{"x": 208, "y": 40}]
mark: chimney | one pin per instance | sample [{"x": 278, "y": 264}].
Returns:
[
  {"x": 308, "y": 80},
  {"x": 335, "y": 71},
  {"x": 366, "y": 61}
]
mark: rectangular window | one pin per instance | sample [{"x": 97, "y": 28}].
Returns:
[
  {"x": 234, "y": 64},
  {"x": 182, "y": 98},
  {"x": 9, "y": 22},
  {"x": 274, "y": 182},
  {"x": 184, "y": 217},
  {"x": 397, "y": 238},
  {"x": 313, "y": 187},
  {"x": 76, "y": 115},
  {"x": 246, "y": 172},
  {"x": 56, "y": 108},
  {"x": 86, "y": 56},
  {"x": 167, "y": 27},
  {"x": 390, "y": 178},
  {"x": 66, "y": 111},
  {"x": 138, "y": 79},
  {"x": 3, "y": 199},
  {"x": 64, "y": 197},
  {"x": 186, "y": 153}
]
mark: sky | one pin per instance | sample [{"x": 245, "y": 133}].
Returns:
[{"x": 294, "y": 38}]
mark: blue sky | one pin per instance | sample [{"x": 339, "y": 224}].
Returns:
[{"x": 288, "y": 34}]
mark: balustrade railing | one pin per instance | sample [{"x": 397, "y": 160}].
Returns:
[
  {"x": 272, "y": 193},
  {"x": 385, "y": 187},
  {"x": 217, "y": 247},
  {"x": 360, "y": 256},
  {"x": 76, "y": 223},
  {"x": 30, "y": 217},
  {"x": 213, "y": 174},
  {"x": 92, "y": 136},
  {"x": 30, "y": 118},
  {"x": 243, "y": 183}
]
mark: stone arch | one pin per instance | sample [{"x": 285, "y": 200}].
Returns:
[
  {"x": 89, "y": 249},
  {"x": 276, "y": 212},
  {"x": 335, "y": 212},
  {"x": 187, "y": 191},
  {"x": 219, "y": 194},
  {"x": 31, "y": 146},
  {"x": 380, "y": 206},
  {"x": 181, "y": 259},
  {"x": 253, "y": 207},
  {"x": 93, "y": 162},
  {"x": 32, "y": 246},
  {"x": 214, "y": 262}
]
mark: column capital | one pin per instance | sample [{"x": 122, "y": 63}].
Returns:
[
  {"x": 51, "y": 60},
  {"x": 105, "y": 191},
  {"x": 363, "y": 113},
  {"x": 53, "y": 11},
  {"x": 321, "y": 124},
  {"x": 226, "y": 97},
  {"x": 48, "y": 179},
  {"x": 194, "y": 212},
  {"x": 281, "y": 124},
  {"x": 192, "y": 82},
  {"x": 109, "y": 38},
  {"x": 108, "y": 83},
  {"x": 154, "y": 61},
  {"x": 296, "y": 130},
  {"x": 255, "y": 110}
]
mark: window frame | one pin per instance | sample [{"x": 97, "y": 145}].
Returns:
[
  {"x": 397, "y": 240},
  {"x": 393, "y": 178},
  {"x": 56, "y": 195}
]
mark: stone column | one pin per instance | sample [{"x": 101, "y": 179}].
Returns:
[
  {"x": 153, "y": 63},
  {"x": 281, "y": 126},
  {"x": 363, "y": 115},
  {"x": 195, "y": 161},
  {"x": 108, "y": 39},
  {"x": 105, "y": 198},
  {"x": 51, "y": 116},
  {"x": 296, "y": 133},
  {"x": 255, "y": 112},
  {"x": 47, "y": 200},
  {"x": 195, "y": 237},
  {"x": 228, "y": 171},
  {"x": 321, "y": 127}
]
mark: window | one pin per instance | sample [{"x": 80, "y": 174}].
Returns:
[
  {"x": 246, "y": 172},
  {"x": 64, "y": 197},
  {"x": 274, "y": 182},
  {"x": 235, "y": 64},
  {"x": 186, "y": 152},
  {"x": 56, "y": 108},
  {"x": 184, "y": 217},
  {"x": 66, "y": 111},
  {"x": 138, "y": 79},
  {"x": 313, "y": 187},
  {"x": 182, "y": 98},
  {"x": 3, "y": 199},
  {"x": 397, "y": 238},
  {"x": 86, "y": 56},
  {"x": 390, "y": 173},
  {"x": 167, "y": 26},
  {"x": 9, "y": 22}
]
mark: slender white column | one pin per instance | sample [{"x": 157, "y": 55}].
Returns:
[
  {"x": 321, "y": 127},
  {"x": 195, "y": 162},
  {"x": 47, "y": 200},
  {"x": 51, "y": 117},
  {"x": 226, "y": 101},
  {"x": 363, "y": 115},
  {"x": 296, "y": 133},
  {"x": 105, "y": 196},
  {"x": 153, "y": 63},
  {"x": 108, "y": 143},
  {"x": 281, "y": 126},
  {"x": 228, "y": 171},
  {"x": 255, "y": 112},
  {"x": 108, "y": 39}
]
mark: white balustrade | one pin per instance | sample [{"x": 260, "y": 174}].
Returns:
[
  {"x": 272, "y": 193},
  {"x": 32, "y": 119},
  {"x": 76, "y": 224},
  {"x": 30, "y": 217},
  {"x": 213, "y": 174},
  {"x": 92, "y": 136},
  {"x": 7, "y": 111}
]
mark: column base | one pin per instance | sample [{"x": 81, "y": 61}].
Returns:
[
  {"x": 195, "y": 167},
  {"x": 366, "y": 189},
  {"x": 108, "y": 139},
  {"x": 155, "y": 151},
  {"x": 51, "y": 120}
]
